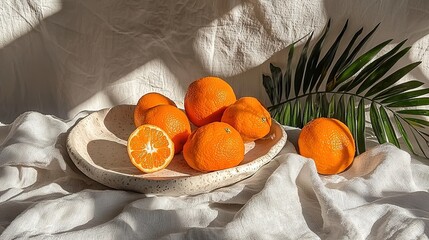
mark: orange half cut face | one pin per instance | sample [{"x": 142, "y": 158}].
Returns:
[{"x": 150, "y": 149}]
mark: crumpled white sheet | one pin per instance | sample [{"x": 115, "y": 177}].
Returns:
[{"x": 383, "y": 195}]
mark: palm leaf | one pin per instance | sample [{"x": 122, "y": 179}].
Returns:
[
  {"x": 381, "y": 70},
  {"x": 350, "y": 116},
  {"x": 308, "y": 110},
  {"x": 296, "y": 115},
  {"x": 299, "y": 74},
  {"x": 390, "y": 132},
  {"x": 418, "y": 143},
  {"x": 325, "y": 63},
  {"x": 331, "y": 107},
  {"x": 419, "y": 122},
  {"x": 404, "y": 134},
  {"x": 313, "y": 59},
  {"x": 352, "y": 56},
  {"x": 341, "y": 110},
  {"x": 423, "y": 112},
  {"x": 371, "y": 67},
  {"x": 411, "y": 102},
  {"x": 285, "y": 117},
  {"x": 360, "y": 127},
  {"x": 277, "y": 82},
  {"x": 406, "y": 95},
  {"x": 342, "y": 60},
  {"x": 390, "y": 80},
  {"x": 288, "y": 72},
  {"x": 351, "y": 81},
  {"x": 376, "y": 124},
  {"x": 324, "y": 107},
  {"x": 269, "y": 87},
  {"x": 361, "y": 61},
  {"x": 400, "y": 88},
  {"x": 356, "y": 66}
]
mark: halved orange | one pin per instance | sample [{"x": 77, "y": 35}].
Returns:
[{"x": 150, "y": 148}]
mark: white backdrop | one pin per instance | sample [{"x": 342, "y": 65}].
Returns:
[{"x": 63, "y": 56}]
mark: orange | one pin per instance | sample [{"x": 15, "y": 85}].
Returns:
[
  {"x": 150, "y": 149},
  {"x": 170, "y": 119},
  {"x": 147, "y": 101},
  {"x": 249, "y": 117},
  {"x": 206, "y": 99},
  {"x": 214, "y": 146},
  {"x": 329, "y": 143}
]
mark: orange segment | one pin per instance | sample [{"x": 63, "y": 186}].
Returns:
[{"x": 150, "y": 149}]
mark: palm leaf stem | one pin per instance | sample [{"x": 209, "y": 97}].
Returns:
[
  {"x": 321, "y": 92},
  {"x": 411, "y": 126}
]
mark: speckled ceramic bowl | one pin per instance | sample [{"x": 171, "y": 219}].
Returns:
[{"x": 98, "y": 147}]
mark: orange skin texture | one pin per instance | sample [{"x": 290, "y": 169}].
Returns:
[
  {"x": 147, "y": 101},
  {"x": 206, "y": 99},
  {"x": 172, "y": 120},
  {"x": 249, "y": 117},
  {"x": 213, "y": 147},
  {"x": 329, "y": 143},
  {"x": 141, "y": 147}
]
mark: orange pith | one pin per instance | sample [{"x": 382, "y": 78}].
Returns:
[
  {"x": 249, "y": 117},
  {"x": 148, "y": 101},
  {"x": 329, "y": 143},
  {"x": 206, "y": 99},
  {"x": 149, "y": 148}
]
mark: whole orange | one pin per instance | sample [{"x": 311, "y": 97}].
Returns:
[
  {"x": 206, "y": 99},
  {"x": 172, "y": 120},
  {"x": 249, "y": 117},
  {"x": 147, "y": 101},
  {"x": 329, "y": 143},
  {"x": 214, "y": 146}
]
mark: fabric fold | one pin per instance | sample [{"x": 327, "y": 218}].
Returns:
[{"x": 384, "y": 194}]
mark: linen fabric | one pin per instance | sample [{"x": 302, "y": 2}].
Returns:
[{"x": 383, "y": 195}]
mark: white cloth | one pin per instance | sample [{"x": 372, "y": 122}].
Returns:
[
  {"x": 65, "y": 57},
  {"x": 384, "y": 195}
]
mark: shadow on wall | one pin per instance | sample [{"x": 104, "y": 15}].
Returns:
[
  {"x": 70, "y": 56},
  {"x": 74, "y": 54},
  {"x": 400, "y": 20}
]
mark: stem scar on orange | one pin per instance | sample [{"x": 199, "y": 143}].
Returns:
[
  {"x": 249, "y": 117},
  {"x": 149, "y": 148},
  {"x": 214, "y": 146},
  {"x": 147, "y": 101},
  {"x": 206, "y": 99},
  {"x": 329, "y": 143}
]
